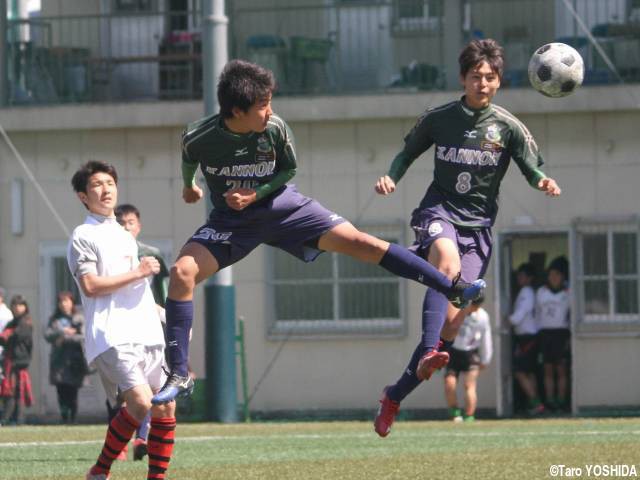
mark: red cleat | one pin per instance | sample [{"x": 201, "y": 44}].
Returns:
[
  {"x": 386, "y": 414},
  {"x": 432, "y": 361}
]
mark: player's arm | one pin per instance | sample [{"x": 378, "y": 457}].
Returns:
[
  {"x": 240, "y": 198},
  {"x": 191, "y": 192},
  {"x": 83, "y": 263},
  {"x": 415, "y": 143},
  {"x": 525, "y": 303},
  {"x": 525, "y": 153},
  {"x": 94, "y": 285}
]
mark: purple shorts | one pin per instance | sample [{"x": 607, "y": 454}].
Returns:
[
  {"x": 474, "y": 244},
  {"x": 287, "y": 220}
]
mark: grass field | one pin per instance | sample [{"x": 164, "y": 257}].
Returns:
[{"x": 340, "y": 450}]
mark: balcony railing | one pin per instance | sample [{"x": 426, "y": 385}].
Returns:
[{"x": 348, "y": 46}]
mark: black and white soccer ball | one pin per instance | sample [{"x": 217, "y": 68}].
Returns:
[{"x": 556, "y": 70}]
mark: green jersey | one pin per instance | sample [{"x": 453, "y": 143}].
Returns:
[
  {"x": 262, "y": 161},
  {"x": 473, "y": 149},
  {"x": 159, "y": 280}
]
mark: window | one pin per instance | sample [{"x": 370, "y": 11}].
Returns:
[
  {"x": 335, "y": 294},
  {"x": 132, "y": 5},
  {"x": 418, "y": 15},
  {"x": 608, "y": 276}
]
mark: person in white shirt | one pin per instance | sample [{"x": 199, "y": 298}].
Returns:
[
  {"x": 471, "y": 352},
  {"x": 123, "y": 335},
  {"x": 5, "y": 317},
  {"x": 525, "y": 329},
  {"x": 552, "y": 313}
]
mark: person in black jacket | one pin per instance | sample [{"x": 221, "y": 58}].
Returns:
[
  {"x": 17, "y": 338},
  {"x": 67, "y": 364}
]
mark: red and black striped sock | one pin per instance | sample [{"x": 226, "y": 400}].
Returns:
[
  {"x": 120, "y": 431},
  {"x": 160, "y": 446}
]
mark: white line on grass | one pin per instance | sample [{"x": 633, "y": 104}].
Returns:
[{"x": 302, "y": 436}]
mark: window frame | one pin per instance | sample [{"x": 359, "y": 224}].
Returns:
[
  {"x": 336, "y": 327},
  {"x": 425, "y": 23},
  {"x": 608, "y": 227}
]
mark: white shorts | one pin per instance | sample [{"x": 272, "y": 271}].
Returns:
[{"x": 126, "y": 366}]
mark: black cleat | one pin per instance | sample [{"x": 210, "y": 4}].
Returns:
[{"x": 462, "y": 292}]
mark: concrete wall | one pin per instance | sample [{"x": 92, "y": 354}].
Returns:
[{"x": 344, "y": 144}]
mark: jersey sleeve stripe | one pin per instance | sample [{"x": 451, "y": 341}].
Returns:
[
  {"x": 441, "y": 108},
  {"x": 531, "y": 143}
]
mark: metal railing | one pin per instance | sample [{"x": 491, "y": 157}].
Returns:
[
  {"x": 98, "y": 58},
  {"x": 337, "y": 48}
]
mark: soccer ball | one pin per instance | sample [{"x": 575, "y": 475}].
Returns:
[{"x": 556, "y": 70}]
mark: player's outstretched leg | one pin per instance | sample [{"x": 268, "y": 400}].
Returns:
[
  {"x": 404, "y": 263},
  {"x": 400, "y": 261}
]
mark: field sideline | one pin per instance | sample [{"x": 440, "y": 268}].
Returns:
[{"x": 504, "y": 449}]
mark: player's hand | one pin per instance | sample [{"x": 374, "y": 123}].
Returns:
[
  {"x": 549, "y": 186},
  {"x": 192, "y": 194},
  {"x": 240, "y": 198},
  {"x": 149, "y": 266},
  {"x": 385, "y": 186}
]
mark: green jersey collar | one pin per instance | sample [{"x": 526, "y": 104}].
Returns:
[
  {"x": 474, "y": 114},
  {"x": 236, "y": 136}
]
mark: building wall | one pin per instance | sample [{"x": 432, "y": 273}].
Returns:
[{"x": 343, "y": 146}]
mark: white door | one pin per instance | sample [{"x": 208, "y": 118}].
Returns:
[{"x": 504, "y": 375}]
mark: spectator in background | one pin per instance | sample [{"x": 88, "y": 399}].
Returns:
[
  {"x": 5, "y": 317},
  {"x": 471, "y": 352},
  {"x": 552, "y": 314},
  {"x": 17, "y": 338},
  {"x": 67, "y": 364},
  {"x": 525, "y": 328},
  {"x": 128, "y": 216}
]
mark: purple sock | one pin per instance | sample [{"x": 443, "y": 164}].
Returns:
[
  {"x": 179, "y": 320},
  {"x": 434, "y": 313},
  {"x": 404, "y": 263},
  {"x": 143, "y": 430},
  {"x": 433, "y": 316},
  {"x": 408, "y": 381}
]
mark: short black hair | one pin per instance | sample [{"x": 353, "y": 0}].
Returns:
[
  {"x": 478, "y": 51},
  {"x": 560, "y": 264},
  {"x": 528, "y": 269},
  {"x": 19, "y": 300},
  {"x": 242, "y": 84},
  {"x": 126, "y": 209},
  {"x": 80, "y": 179}
]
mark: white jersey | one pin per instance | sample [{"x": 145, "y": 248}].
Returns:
[
  {"x": 127, "y": 316},
  {"x": 475, "y": 334},
  {"x": 5, "y": 317},
  {"x": 552, "y": 309},
  {"x": 523, "y": 317}
]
